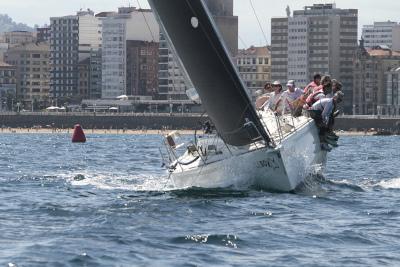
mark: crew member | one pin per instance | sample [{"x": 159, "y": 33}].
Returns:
[
  {"x": 322, "y": 91},
  {"x": 262, "y": 99},
  {"x": 311, "y": 87},
  {"x": 290, "y": 96},
  {"x": 322, "y": 112},
  {"x": 275, "y": 102}
]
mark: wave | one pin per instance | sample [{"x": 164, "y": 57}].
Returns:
[
  {"x": 231, "y": 241},
  {"x": 317, "y": 184},
  {"x": 390, "y": 184}
]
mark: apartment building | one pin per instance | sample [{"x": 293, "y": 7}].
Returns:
[
  {"x": 371, "y": 69},
  {"x": 392, "y": 105},
  {"x": 95, "y": 73},
  {"x": 43, "y": 34},
  {"x": 15, "y": 38},
  {"x": 32, "y": 73},
  {"x": 8, "y": 85},
  {"x": 279, "y": 49},
  {"x": 385, "y": 33},
  {"x": 73, "y": 39},
  {"x": 129, "y": 24},
  {"x": 142, "y": 68},
  {"x": 3, "y": 50},
  {"x": 254, "y": 66}
]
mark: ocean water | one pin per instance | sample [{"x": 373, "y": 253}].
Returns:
[{"x": 108, "y": 203}]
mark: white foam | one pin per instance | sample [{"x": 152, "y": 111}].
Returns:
[
  {"x": 121, "y": 181},
  {"x": 390, "y": 184}
]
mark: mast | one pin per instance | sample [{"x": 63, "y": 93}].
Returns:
[{"x": 196, "y": 40}]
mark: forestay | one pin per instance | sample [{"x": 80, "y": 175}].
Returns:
[{"x": 197, "y": 42}]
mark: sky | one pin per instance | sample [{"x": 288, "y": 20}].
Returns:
[{"x": 38, "y": 12}]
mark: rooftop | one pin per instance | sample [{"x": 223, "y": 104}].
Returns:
[
  {"x": 320, "y": 6},
  {"x": 44, "y": 47},
  {"x": 324, "y": 10},
  {"x": 254, "y": 50},
  {"x": 382, "y": 52},
  {"x": 3, "y": 64},
  {"x": 105, "y": 14}
]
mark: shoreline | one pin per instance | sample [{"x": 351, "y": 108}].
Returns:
[
  {"x": 90, "y": 131},
  {"x": 137, "y": 132}
]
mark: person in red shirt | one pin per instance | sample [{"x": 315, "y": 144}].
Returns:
[
  {"x": 310, "y": 88},
  {"x": 322, "y": 91}
]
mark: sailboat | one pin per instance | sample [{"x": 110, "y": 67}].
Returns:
[{"x": 251, "y": 148}]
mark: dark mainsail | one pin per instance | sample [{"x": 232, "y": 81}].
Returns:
[{"x": 196, "y": 40}]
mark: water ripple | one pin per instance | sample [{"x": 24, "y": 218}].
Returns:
[{"x": 108, "y": 203}]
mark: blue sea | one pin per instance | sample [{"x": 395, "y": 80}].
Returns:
[{"x": 108, "y": 203}]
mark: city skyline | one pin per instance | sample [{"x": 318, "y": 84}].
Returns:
[{"x": 249, "y": 31}]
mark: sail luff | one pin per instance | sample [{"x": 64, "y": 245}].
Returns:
[{"x": 196, "y": 40}]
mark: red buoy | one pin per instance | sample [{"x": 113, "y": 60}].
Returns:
[{"x": 79, "y": 135}]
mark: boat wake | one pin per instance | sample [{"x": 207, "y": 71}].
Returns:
[
  {"x": 315, "y": 184},
  {"x": 318, "y": 184},
  {"x": 119, "y": 181}
]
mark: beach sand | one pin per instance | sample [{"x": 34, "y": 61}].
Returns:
[
  {"x": 89, "y": 131},
  {"x": 137, "y": 132}
]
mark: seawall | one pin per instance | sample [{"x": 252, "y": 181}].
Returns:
[
  {"x": 102, "y": 121},
  {"x": 159, "y": 121},
  {"x": 362, "y": 123}
]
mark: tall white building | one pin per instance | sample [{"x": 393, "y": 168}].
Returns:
[
  {"x": 90, "y": 38},
  {"x": 298, "y": 64},
  {"x": 129, "y": 24},
  {"x": 382, "y": 33},
  {"x": 72, "y": 40}
]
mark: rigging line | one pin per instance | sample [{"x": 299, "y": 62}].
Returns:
[
  {"x": 147, "y": 23},
  {"x": 243, "y": 43},
  {"x": 259, "y": 23}
]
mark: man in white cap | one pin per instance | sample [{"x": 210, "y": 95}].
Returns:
[
  {"x": 292, "y": 92},
  {"x": 291, "y": 95}
]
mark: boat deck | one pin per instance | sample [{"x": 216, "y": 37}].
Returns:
[{"x": 280, "y": 127}]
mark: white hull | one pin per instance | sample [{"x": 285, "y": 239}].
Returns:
[{"x": 281, "y": 168}]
